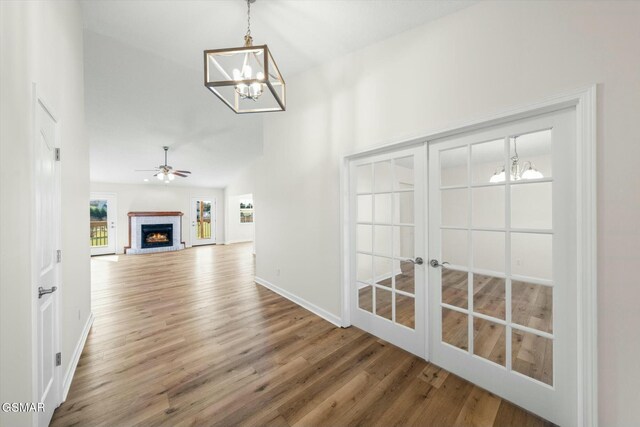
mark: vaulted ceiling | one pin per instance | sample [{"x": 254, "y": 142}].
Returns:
[{"x": 143, "y": 74}]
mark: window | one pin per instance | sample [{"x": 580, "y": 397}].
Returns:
[{"x": 246, "y": 211}]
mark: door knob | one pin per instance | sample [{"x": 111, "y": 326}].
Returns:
[
  {"x": 434, "y": 263},
  {"x": 43, "y": 291},
  {"x": 418, "y": 261}
]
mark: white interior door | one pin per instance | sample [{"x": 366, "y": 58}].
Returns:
[
  {"x": 502, "y": 311},
  {"x": 387, "y": 247},
  {"x": 103, "y": 223},
  {"x": 46, "y": 235},
  {"x": 203, "y": 221}
]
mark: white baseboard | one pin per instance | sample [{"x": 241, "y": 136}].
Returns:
[
  {"x": 68, "y": 376},
  {"x": 329, "y": 317},
  {"x": 231, "y": 242}
]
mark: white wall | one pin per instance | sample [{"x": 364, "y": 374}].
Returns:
[
  {"x": 484, "y": 59},
  {"x": 160, "y": 197},
  {"x": 41, "y": 42}
]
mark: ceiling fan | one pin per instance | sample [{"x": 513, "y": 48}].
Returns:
[{"x": 165, "y": 172}]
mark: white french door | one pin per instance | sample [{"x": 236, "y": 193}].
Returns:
[
  {"x": 103, "y": 223},
  {"x": 203, "y": 221},
  {"x": 387, "y": 292},
  {"x": 502, "y": 281}
]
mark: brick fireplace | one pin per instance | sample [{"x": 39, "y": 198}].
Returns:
[{"x": 151, "y": 232}]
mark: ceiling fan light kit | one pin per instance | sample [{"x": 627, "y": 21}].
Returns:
[
  {"x": 245, "y": 78},
  {"x": 165, "y": 172}
]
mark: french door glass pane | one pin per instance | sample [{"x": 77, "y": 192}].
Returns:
[
  {"x": 383, "y": 303},
  {"x": 455, "y": 287},
  {"x": 403, "y": 208},
  {"x": 489, "y": 340},
  {"x": 383, "y": 271},
  {"x": 531, "y": 255},
  {"x": 488, "y": 207},
  {"x": 404, "y": 242},
  {"x": 364, "y": 268},
  {"x": 455, "y": 247},
  {"x": 532, "y": 355},
  {"x": 455, "y": 207},
  {"x": 365, "y": 298},
  {"x": 454, "y": 328},
  {"x": 383, "y": 208},
  {"x": 532, "y": 305},
  {"x": 489, "y": 296},
  {"x": 383, "y": 176},
  {"x": 487, "y": 159},
  {"x": 403, "y": 173},
  {"x": 535, "y": 148},
  {"x": 488, "y": 250},
  {"x": 365, "y": 213},
  {"x": 382, "y": 239},
  {"x": 364, "y": 179},
  {"x": 405, "y": 280},
  {"x": 453, "y": 167},
  {"x": 364, "y": 238},
  {"x": 405, "y": 310},
  {"x": 531, "y": 205}
]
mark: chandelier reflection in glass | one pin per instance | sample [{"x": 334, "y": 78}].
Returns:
[
  {"x": 518, "y": 170},
  {"x": 245, "y": 78}
]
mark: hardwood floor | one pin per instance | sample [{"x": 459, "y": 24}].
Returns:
[{"x": 187, "y": 338}]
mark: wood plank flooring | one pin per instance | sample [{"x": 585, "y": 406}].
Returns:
[{"x": 188, "y": 339}]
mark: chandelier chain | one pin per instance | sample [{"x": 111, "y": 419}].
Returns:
[{"x": 248, "y": 18}]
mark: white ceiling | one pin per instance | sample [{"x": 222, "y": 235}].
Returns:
[{"x": 143, "y": 74}]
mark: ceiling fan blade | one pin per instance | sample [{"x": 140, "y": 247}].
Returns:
[
  {"x": 156, "y": 174},
  {"x": 183, "y": 171},
  {"x": 179, "y": 174},
  {"x": 145, "y": 170}
]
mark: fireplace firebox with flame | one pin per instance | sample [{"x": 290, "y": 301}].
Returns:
[{"x": 157, "y": 235}]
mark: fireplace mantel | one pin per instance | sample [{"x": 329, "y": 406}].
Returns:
[
  {"x": 130, "y": 214},
  {"x": 136, "y": 219}
]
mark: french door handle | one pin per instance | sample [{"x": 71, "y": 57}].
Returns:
[
  {"x": 418, "y": 261},
  {"x": 435, "y": 264},
  {"x": 43, "y": 291}
]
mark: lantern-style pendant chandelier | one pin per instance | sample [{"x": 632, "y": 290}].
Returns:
[{"x": 245, "y": 78}]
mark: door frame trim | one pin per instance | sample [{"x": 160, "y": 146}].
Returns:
[
  {"x": 584, "y": 100},
  {"x": 39, "y": 98},
  {"x": 115, "y": 207}
]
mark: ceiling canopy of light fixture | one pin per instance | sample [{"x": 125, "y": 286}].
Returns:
[
  {"x": 245, "y": 78},
  {"x": 518, "y": 170}
]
